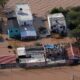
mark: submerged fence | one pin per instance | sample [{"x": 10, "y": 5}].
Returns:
[{"x": 7, "y": 66}]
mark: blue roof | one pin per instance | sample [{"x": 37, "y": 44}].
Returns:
[{"x": 50, "y": 46}]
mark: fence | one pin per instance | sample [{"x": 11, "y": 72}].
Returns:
[{"x": 8, "y": 66}]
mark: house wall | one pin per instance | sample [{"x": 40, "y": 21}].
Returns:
[{"x": 13, "y": 32}]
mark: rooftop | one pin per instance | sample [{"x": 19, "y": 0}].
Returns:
[
  {"x": 56, "y": 15},
  {"x": 25, "y": 20},
  {"x": 23, "y": 13},
  {"x": 21, "y": 51},
  {"x": 25, "y": 50},
  {"x": 73, "y": 52}
]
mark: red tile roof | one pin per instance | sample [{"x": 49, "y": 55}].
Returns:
[
  {"x": 73, "y": 52},
  {"x": 7, "y": 59}
]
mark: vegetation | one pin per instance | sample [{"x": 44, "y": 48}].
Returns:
[
  {"x": 72, "y": 16},
  {"x": 10, "y": 47},
  {"x": 2, "y": 3},
  {"x": 59, "y": 10},
  {"x": 1, "y": 38},
  {"x": 38, "y": 44},
  {"x": 13, "y": 44},
  {"x": 77, "y": 44},
  {"x": 76, "y": 33}
]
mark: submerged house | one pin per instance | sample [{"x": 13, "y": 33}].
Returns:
[
  {"x": 40, "y": 55},
  {"x": 24, "y": 27},
  {"x": 25, "y": 22},
  {"x": 31, "y": 56},
  {"x": 57, "y": 23}
]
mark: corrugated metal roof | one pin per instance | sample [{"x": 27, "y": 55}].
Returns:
[
  {"x": 21, "y": 51},
  {"x": 23, "y": 13},
  {"x": 32, "y": 60},
  {"x": 25, "y": 21},
  {"x": 7, "y": 59},
  {"x": 49, "y": 46},
  {"x": 13, "y": 23},
  {"x": 28, "y": 33},
  {"x": 56, "y": 15}
]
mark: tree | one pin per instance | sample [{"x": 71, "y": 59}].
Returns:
[
  {"x": 76, "y": 8},
  {"x": 54, "y": 10},
  {"x": 38, "y": 44},
  {"x": 73, "y": 19},
  {"x": 59, "y": 10},
  {"x": 76, "y": 33},
  {"x": 2, "y": 3},
  {"x": 72, "y": 16}
]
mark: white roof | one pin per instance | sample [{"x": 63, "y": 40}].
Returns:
[
  {"x": 21, "y": 51},
  {"x": 55, "y": 15},
  {"x": 35, "y": 60},
  {"x": 32, "y": 60},
  {"x": 60, "y": 19},
  {"x": 23, "y": 13}
]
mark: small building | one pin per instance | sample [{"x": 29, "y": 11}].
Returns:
[
  {"x": 57, "y": 23},
  {"x": 21, "y": 51},
  {"x": 31, "y": 56},
  {"x": 55, "y": 52},
  {"x": 25, "y": 21}
]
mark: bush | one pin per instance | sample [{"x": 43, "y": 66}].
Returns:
[
  {"x": 72, "y": 16},
  {"x": 1, "y": 38},
  {"x": 59, "y": 10},
  {"x": 10, "y": 47},
  {"x": 38, "y": 44}
]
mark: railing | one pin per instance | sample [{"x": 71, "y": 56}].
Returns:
[{"x": 8, "y": 66}]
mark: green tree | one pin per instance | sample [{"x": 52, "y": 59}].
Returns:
[
  {"x": 54, "y": 10},
  {"x": 76, "y": 8},
  {"x": 72, "y": 16},
  {"x": 59, "y": 10},
  {"x": 73, "y": 19},
  {"x": 76, "y": 33},
  {"x": 2, "y": 3}
]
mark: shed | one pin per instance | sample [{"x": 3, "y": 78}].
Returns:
[
  {"x": 57, "y": 23},
  {"x": 25, "y": 21},
  {"x": 21, "y": 51}
]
